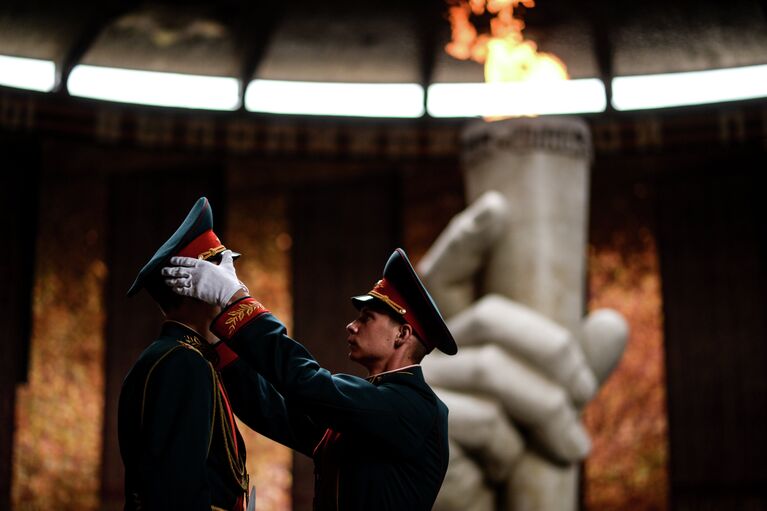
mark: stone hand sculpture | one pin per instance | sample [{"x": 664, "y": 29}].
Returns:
[{"x": 507, "y": 273}]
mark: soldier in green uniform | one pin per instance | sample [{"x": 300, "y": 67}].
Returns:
[
  {"x": 378, "y": 443},
  {"x": 178, "y": 438}
]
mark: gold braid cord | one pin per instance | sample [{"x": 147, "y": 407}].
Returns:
[{"x": 236, "y": 462}]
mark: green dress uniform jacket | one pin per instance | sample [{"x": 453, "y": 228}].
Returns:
[
  {"x": 378, "y": 443},
  {"x": 178, "y": 440}
]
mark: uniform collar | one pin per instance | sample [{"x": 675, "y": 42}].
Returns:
[
  {"x": 184, "y": 333},
  {"x": 411, "y": 369}
]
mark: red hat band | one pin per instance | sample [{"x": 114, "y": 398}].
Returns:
[
  {"x": 384, "y": 291},
  {"x": 204, "y": 246}
]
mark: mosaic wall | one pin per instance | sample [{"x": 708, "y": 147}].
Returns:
[
  {"x": 627, "y": 468},
  {"x": 57, "y": 452}
]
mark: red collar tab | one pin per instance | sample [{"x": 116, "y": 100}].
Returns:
[
  {"x": 204, "y": 246},
  {"x": 388, "y": 294}
]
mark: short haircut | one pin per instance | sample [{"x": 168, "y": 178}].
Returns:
[
  {"x": 162, "y": 293},
  {"x": 419, "y": 349}
]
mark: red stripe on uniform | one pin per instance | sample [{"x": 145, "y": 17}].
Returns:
[{"x": 231, "y": 418}]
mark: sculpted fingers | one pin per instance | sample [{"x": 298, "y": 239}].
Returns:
[
  {"x": 464, "y": 487},
  {"x": 482, "y": 430},
  {"x": 552, "y": 349},
  {"x": 527, "y": 396},
  {"x": 538, "y": 484},
  {"x": 449, "y": 266},
  {"x": 605, "y": 333}
]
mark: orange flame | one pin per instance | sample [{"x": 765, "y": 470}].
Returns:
[{"x": 507, "y": 56}]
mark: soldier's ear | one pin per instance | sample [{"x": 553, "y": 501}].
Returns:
[
  {"x": 399, "y": 340},
  {"x": 404, "y": 331}
]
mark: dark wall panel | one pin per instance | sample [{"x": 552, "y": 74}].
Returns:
[
  {"x": 714, "y": 272},
  {"x": 19, "y": 184}
]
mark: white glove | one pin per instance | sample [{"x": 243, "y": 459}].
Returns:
[{"x": 208, "y": 282}]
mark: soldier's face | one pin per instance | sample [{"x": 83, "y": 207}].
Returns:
[{"x": 371, "y": 338}]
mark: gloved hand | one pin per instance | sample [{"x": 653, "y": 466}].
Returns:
[{"x": 208, "y": 282}]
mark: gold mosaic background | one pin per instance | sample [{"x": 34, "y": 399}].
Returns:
[{"x": 627, "y": 469}]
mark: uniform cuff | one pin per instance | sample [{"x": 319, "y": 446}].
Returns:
[{"x": 237, "y": 315}]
